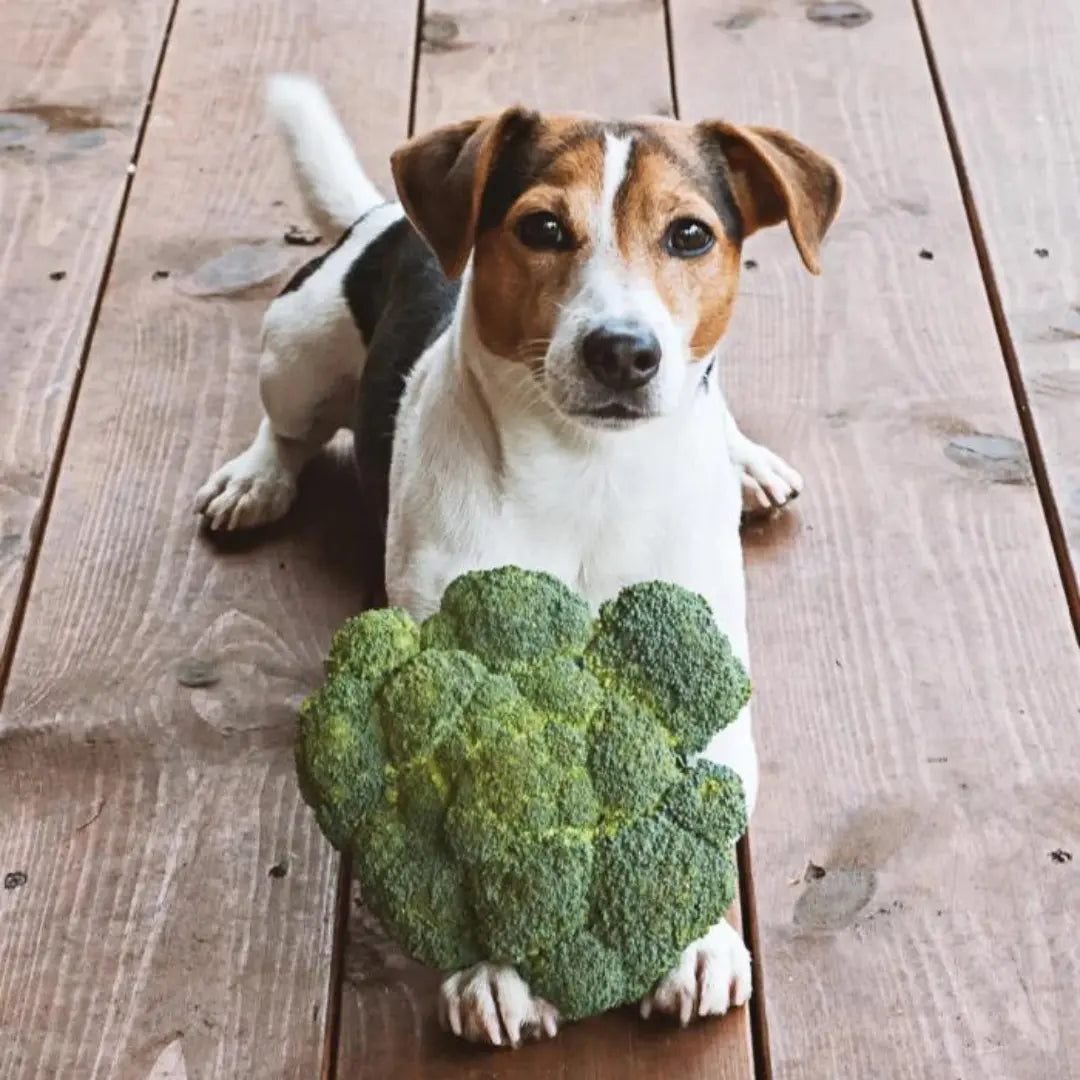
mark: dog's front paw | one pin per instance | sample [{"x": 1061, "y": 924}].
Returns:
[
  {"x": 492, "y": 1004},
  {"x": 768, "y": 481},
  {"x": 251, "y": 490},
  {"x": 712, "y": 976}
]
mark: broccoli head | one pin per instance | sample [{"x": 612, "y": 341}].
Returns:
[{"x": 518, "y": 782}]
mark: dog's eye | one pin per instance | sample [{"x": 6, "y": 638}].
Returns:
[
  {"x": 688, "y": 237},
  {"x": 543, "y": 231}
]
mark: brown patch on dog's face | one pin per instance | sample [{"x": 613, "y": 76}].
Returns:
[{"x": 518, "y": 291}]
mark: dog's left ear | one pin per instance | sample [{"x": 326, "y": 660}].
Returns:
[
  {"x": 774, "y": 178},
  {"x": 440, "y": 178}
]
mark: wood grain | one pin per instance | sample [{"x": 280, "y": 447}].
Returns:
[
  {"x": 1009, "y": 76},
  {"x": 917, "y": 680},
  {"x": 74, "y": 79},
  {"x": 478, "y": 57},
  {"x": 176, "y": 902}
]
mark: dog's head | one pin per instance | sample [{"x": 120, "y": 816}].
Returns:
[{"x": 606, "y": 256}]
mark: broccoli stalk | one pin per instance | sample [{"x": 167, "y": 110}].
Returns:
[{"x": 518, "y": 784}]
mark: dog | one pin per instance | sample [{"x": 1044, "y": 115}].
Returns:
[{"x": 525, "y": 345}]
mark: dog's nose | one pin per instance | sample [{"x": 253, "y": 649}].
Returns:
[{"x": 622, "y": 356}]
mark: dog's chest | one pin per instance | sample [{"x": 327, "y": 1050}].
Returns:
[{"x": 661, "y": 502}]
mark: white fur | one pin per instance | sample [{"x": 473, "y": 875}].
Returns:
[
  {"x": 331, "y": 179},
  {"x": 487, "y": 470}
]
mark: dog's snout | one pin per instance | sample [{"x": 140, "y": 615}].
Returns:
[{"x": 622, "y": 356}]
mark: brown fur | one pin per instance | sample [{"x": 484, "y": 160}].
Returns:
[{"x": 517, "y": 291}]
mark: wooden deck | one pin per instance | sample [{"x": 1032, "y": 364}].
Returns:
[{"x": 169, "y": 909}]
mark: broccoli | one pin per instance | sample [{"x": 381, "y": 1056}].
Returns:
[{"x": 518, "y": 783}]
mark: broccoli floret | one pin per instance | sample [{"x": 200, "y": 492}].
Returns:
[
  {"x": 582, "y": 974},
  {"x": 658, "y": 888},
  {"x": 531, "y": 895},
  {"x": 560, "y": 688},
  {"x": 370, "y": 645},
  {"x": 507, "y": 615},
  {"x": 515, "y": 780},
  {"x": 340, "y": 756},
  {"x": 710, "y": 802},
  {"x": 416, "y": 889},
  {"x": 658, "y": 645},
  {"x": 423, "y": 703},
  {"x": 631, "y": 760}
]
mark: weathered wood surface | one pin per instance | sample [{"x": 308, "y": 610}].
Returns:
[
  {"x": 477, "y": 58},
  {"x": 1010, "y": 79},
  {"x": 74, "y": 80},
  {"x": 178, "y": 904},
  {"x": 917, "y": 680}
]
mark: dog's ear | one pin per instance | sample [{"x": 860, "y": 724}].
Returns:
[
  {"x": 441, "y": 176},
  {"x": 774, "y": 178}
]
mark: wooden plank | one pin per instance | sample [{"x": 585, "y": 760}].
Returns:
[
  {"x": 74, "y": 79},
  {"x": 917, "y": 680},
  {"x": 178, "y": 904},
  {"x": 1008, "y": 74},
  {"x": 479, "y": 56}
]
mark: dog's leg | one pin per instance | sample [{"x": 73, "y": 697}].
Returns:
[
  {"x": 309, "y": 373},
  {"x": 492, "y": 1004},
  {"x": 768, "y": 482}
]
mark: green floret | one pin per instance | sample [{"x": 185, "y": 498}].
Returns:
[
  {"x": 417, "y": 890},
  {"x": 532, "y": 898},
  {"x": 560, "y": 688},
  {"x": 658, "y": 888},
  {"x": 657, "y": 643},
  {"x": 508, "y": 615},
  {"x": 577, "y": 803},
  {"x": 504, "y": 801},
  {"x": 710, "y": 802},
  {"x": 631, "y": 761},
  {"x": 370, "y": 645},
  {"x": 420, "y": 791},
  {"x": 423, "y": 703},
  {"x": 340, "y": 757},
  {"x": 581, "y": 973}
]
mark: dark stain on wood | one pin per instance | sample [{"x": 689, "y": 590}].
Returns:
[
  {"x": 235, "y": 271},
  {"x": 741, "y": 20},
  {"x": 15, "y": 880},
  {"x": 58, "y": 117},
  {"x": 196, "y": 674},
  {"x": 833, "y": 898},
  {"x": 1066, "y": 327},
  {"x": 441, "y": 34},
  {"x": 845, "y": 15},
  {"x": 999, "y": 458}
]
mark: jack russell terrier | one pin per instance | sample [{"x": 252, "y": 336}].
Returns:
[{"x": 525, "y": 348}]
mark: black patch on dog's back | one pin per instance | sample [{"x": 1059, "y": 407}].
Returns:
[{"x": 401, "y": 301}]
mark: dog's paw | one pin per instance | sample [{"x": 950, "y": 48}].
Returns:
[
  {"x": 492, "y": 1004},
  {"x": 712, "y": 976},
  {"x": 768, "y": 481},
  {"x": 251, "y": 490}
]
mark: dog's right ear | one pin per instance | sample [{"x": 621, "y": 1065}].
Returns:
[{"x": 441, "y": 176}]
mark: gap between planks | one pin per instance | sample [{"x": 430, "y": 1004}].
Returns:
[
  {"x": 41, "y": 522},
  {"x": 1051, "y": 512}
]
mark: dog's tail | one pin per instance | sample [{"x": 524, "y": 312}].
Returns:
[{"x": 332, "y": 181}]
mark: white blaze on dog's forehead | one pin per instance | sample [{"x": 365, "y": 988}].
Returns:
[{"x": 616, "y": 162}]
